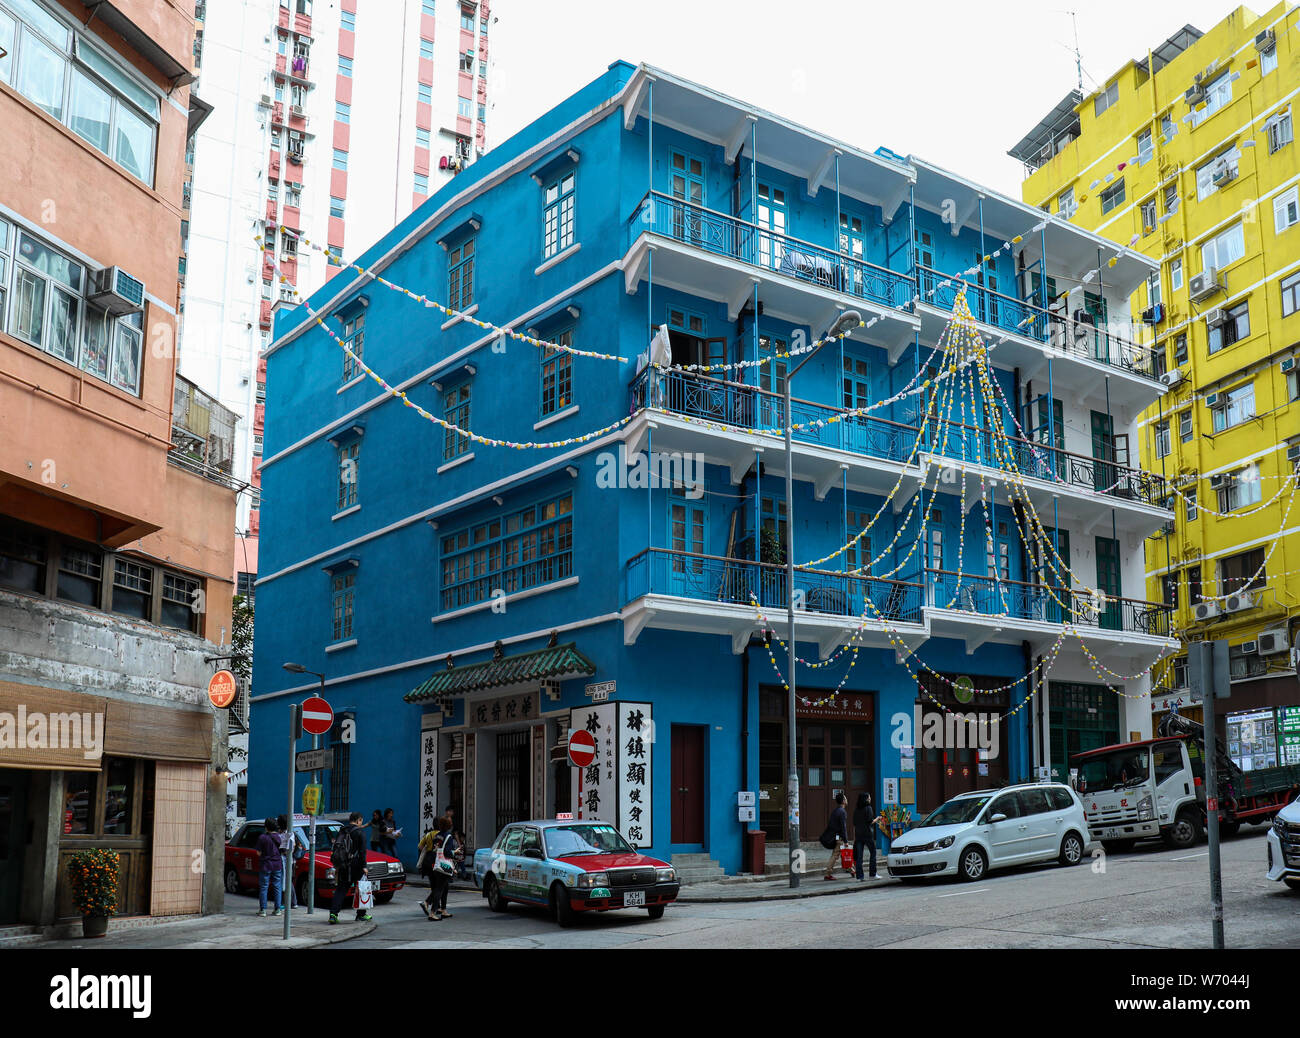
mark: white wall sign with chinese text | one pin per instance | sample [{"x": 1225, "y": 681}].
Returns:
[
  {"x": 617, "y": 787},
  {"x": 428, "y": 771},
  {"x": 890, "y": 790}
]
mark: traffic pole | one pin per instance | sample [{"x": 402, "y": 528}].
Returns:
[
  {"x": 295, "y": 728},
  {"x": 1212, "y": 796},
  {"x": 311, "y": 841}
]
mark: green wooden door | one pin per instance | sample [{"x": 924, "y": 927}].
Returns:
[
  {"x": 1103, "y": 450},
  {"x": 1108, "y": 582}
]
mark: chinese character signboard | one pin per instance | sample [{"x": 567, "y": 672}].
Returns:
[
  {"x": 1288, "y": 734},
  {"x": 617, "y": 786},
  {"x": 635, "y": 738},
  {"x": 843, "y": 707},
  {"x": 428, "y": 771},
  {"x": 522, "y": 706}
]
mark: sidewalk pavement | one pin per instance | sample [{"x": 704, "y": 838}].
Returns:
[{"x": 238, "y": 928}]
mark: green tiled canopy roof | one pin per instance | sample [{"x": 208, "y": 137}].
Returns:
[{"x": 538, "y": 665}]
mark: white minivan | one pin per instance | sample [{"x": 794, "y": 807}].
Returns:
[
  {"x": 1284, "y": 846},
  {"x": 991, "y": 829}
]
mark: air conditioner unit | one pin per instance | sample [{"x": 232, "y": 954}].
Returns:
[
  {"x": 1265, "y": 41},
  {"x": 1248, "y": 648},
  {"x": 1293, "y": 454},
  {"x": 266, "y": 99},
  {"x": 1195, "y": 94},
  {"x": 1272, "y": 642},
  {"x": 1206, "y": 610},
  {"x": 1219, "y": 482},
  {"x": 1288, "y": 364},
  {"x": 1212, "y": 400},
  {"x": 1216, "y": 317},
  {"x": 296, "y": 110},
  {"x": 1170, "y": 527},
  {"x": 1241, "y": 600},
  {"x": 1223, "y": 173},
  {"x": 1172, "y": 378},
  {"x": 1203, "y": 285},
  {"x": 117, "y": 292}
]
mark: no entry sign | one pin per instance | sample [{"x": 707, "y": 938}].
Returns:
[
  {"x": 582, "y": 748},
  {"x": 317, "y": 716}
]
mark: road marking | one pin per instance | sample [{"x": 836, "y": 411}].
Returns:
[
  {"x": 960, "y": 893},
  {"x": 1191, "y": 857}
]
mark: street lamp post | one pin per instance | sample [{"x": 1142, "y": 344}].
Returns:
[
  {"x": 298, "y": 668},
  {"x": 848, "y": 319}
]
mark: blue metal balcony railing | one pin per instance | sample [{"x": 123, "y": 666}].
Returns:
[
  {"x": 738, "y": 239},
  {"x": 1021, "y": 601},
  {"x": 1076, "y": 338},
  {"x": 748, "y": 407},
  {"x": 711, "y": 578}
]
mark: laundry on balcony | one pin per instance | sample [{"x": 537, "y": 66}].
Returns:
[{"x": 808, "y": 266}]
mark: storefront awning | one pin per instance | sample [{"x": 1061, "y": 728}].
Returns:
[{"x": 555, "y": 661}]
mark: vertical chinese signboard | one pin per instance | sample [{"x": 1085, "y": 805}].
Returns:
[
  {"x": 428, "y": 771},
  {"x": 617, "y": 786}
]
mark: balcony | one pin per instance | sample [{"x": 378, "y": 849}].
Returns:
[
  {"x": 1084, "y": 353},
  {"x": 683, "y": 591},
  {"x": 1060, "y": 484},
  {"x": 708, "y": 253},
  {"x": 686, "y": 591}
]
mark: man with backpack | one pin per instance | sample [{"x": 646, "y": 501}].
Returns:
[{"x": 348, "y": 858}]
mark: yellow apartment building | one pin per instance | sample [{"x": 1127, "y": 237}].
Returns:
[{"x": 1189, "y": 153}]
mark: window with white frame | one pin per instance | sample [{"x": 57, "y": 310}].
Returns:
[
  {"x": 1223, "y": 163},
  {"x": 557, "y": 375},
  {"x": 43, "y": 301},
  {"x": 1171, "y": 198},
  {"x": 558, "y": 215},
  {"x": 1268, "y": 61},
  {"x": 1224, "y": 249},
  {"x": 1163, "y": 446},
  {"x": 1293, "y": 384},
  {"x": 1185, "y": 426},
  {"x": 1217, "y": 95},
  {"x": 1065, "y": 204},
  {"x": 349, "y": 473},
  {"x": 1280, "y": 131},
  {"x": 1189, "y": 503},
  {"x": 1153, "y": 289},
  {"x": 1145, "y": 148},
  {"x": 1112, "y": 197},
  {"x": 1290, "y": 295},
  {"x": 342, "y": 591},
  {"x": 455, "y": 409},
  {"x": 1235, "y": 327},
  {"x": 1176, "y": 275},
  {"x": 1235, "y": 406},
  {"x": 57, "y": 67},
  {"x": 1239, "y": 489},
  {"x": 1106, "y": 99},
  {"x": 422, "y": 138},
  {"x": 354, "y": 337},
  {"x": 1148, "y": 216},
  {"x": 1286, "y": 210}
]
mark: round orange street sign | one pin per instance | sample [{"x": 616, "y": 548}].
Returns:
[{"x": 222, "y": 689}]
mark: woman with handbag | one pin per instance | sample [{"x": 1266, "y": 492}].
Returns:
[
  {"x": 444, "y": 870},
  {"x": 428, "y": 848}
]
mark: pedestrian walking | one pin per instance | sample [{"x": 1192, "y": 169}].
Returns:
[
  {"x": 865, "y": 821},
  {"x": 428, "y": 847},
  {"x": 391, "y": 833},
  {"x": 348, "y": 858},
  {"x": 291, "y": 841},
  {"x": 836, "y": 835},
  {"x": 377, "y": 830},
  {"x": 444, "y": 869},
  {"x": 270, "y": 876}
]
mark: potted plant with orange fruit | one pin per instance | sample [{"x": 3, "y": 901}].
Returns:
[{"x": 94, "y": 877}]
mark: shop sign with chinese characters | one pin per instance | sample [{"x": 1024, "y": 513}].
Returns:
[
  {"x": 617, "y": 787},
  {"x": 428, "y": 770},
  {"x": 522, "y": 706}
]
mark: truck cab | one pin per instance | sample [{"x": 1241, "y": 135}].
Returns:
[{"x": 1142, "y": 790}]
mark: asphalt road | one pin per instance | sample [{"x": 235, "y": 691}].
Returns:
[{"x": 1147, "y": 898}]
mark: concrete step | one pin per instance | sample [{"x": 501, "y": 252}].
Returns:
[
  {"x": 16, "y": 936},
  {"x": 696, "y": 868}
]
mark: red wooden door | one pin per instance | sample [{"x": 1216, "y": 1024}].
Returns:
[{"x": 688, "y": 784}]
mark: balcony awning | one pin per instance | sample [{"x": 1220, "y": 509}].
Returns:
[
  {"x": 171, "y": 66},
  {"x": 558, "y": 662}
]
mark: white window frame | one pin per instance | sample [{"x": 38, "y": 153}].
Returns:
[
  {"x": 1235, "y": 407},
  {"x": 1214, "y": 253},
  {"x": 1175, "y": 275},
  {"x": 1205, "y": 185},
  {"x": 1218, "y": 94},
  {"x": 1106, "y": 99},
  {"x": 1286, "y": 210},
  {"x": 1279, "y": 130},
  {"x": 1146, "y": 149}
]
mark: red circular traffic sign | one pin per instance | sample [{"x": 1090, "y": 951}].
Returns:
[
  {"x": 582, "y": 748},
  {"x": 317, "y": 716}
]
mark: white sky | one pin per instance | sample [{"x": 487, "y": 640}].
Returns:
[{"x": 956, "y": 83}]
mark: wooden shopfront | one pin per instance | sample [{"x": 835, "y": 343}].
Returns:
[{"x": 943, "y": 772}]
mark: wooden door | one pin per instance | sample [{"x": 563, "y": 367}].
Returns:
[{"x": 688, "y": 784}]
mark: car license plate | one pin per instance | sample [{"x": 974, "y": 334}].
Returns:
[
  {"x": 633, "y": 897},
  {"x": 900, "y": 861}
]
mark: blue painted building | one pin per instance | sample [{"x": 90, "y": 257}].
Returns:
[{"x": 470, "y": 604}]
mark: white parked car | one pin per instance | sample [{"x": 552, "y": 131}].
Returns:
[
  {"x": 1284, "y": 846},
  {"x": 991, "y": 829}
]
